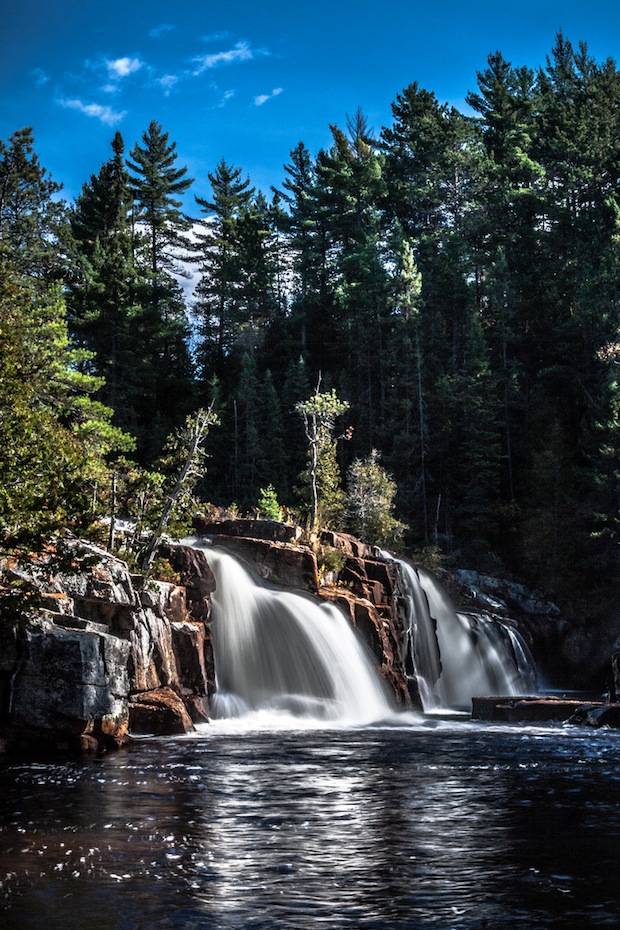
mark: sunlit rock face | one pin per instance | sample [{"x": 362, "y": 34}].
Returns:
[
  {"x": 160, "y": 712},
  {"x": 101, "y": 638},
  {"x": 71, "y": 680}
]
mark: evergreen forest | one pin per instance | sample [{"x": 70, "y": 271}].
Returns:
[{"x": 447, "y": 285}]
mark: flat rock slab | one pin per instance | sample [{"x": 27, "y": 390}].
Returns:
[{"x": 526, "y": 709}]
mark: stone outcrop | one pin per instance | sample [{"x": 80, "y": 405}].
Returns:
[
  {"x": 160, "y": 712},
  {"x": 572, "y": 650},
  {"x": 98, "y": 641},
  {"x": 104, "y": 653},
  {"x": 277, "y": 562},
  {"x": 268, "y": 530}
]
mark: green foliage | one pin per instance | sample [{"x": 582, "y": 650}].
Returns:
[
  {"x": 55, "y": 438},
  {"x": 268, "y": 506},
  {"x": 319, "y": 414},
  {"x": 370, "y": 503},
  {"x": 31, "y": 216},
  {"x": 162, "y": 570},
  {"x": 330, "y": 560},
  {"x": 184, "y": 460},
  {"x": 455, "y": 277}
]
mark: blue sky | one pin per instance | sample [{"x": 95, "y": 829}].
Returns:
[{"x": 246, "y": 81}]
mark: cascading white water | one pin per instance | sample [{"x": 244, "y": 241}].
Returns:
[
  {"x": 276, "y": 650},
  {"x": 455, "y": 655}
]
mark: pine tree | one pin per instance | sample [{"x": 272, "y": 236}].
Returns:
[
  {"x": 219, "y": 305},
  {"x": 105, "y": 289},
  {"x": 351, "y": 191},
  {"x": 55, "y": 438},
  {"x": 161, "y": 247},
  {"x": 31, "y": 217}
]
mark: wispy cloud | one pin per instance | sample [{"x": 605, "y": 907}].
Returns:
[
  {"x": 122, "y": 67},
  {"x": 167, "y": 82},
  {"x": 263, "y": 98},
  {"x": 104, "y": 114},
  {"x": 240, "y": 52},
  {"x": 227, "y": 95},
  {"x": 216, "y": 37},
  {"x": 158, "y": 31},
  {"x": 40, "y": 77}
]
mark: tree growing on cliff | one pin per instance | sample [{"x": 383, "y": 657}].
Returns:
[
  {"x": 319, "y": 414},
  {"x": 187, "y": 447},
  {"x": 370, "y": 503}
]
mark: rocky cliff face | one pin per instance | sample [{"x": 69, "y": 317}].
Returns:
[
  {"x": 571, "y": 653},
  {"x": 75, "y": 672}
]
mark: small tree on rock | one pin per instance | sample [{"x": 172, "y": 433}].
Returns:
[
  {"x": 188, "y": 446},
  {"x": 370, "y": 502},
  {"x": 319, "y": 414}
]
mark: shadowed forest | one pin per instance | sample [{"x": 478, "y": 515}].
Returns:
[{"x": 451, "y": 279}]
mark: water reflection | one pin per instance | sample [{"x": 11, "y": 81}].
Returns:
[{"x": 454, "y": 827}]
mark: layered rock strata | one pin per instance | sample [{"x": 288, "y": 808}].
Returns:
[{"x": 74, "y": 672}]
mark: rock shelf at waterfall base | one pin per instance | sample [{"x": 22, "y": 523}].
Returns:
[{"x": 545, "y": 709}]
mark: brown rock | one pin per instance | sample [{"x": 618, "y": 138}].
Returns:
[
  {"x": 252, "y": 529},
  {"x": 523, "y": 709},
  {"x": 188, "y": 644},
  {"x": 88, "y": 743},
  {"x": 279, "y": 563},
  {"x": 378, "y": 632},
  {"x": 160, "y": 712},
  {"x": 196, "y": 576},
  {"x": 353, "y": 548},
  {"x": 195, "y": 706}
]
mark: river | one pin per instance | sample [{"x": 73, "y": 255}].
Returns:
[{"x": 251, "y": 824}]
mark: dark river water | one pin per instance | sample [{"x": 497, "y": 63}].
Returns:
[{"x": 439, "y": 824}]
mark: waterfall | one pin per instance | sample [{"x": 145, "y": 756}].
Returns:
[
  {"x": 457, "y": 655},
  {"x": 279, "y": 651}
]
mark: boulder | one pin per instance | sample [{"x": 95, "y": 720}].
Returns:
[
  {"x": 66, "y": 674},
  {"x": 70, "y": 680},
  {"x": 159, "y": 712},
  {"x": 153, "y": 663},
  {"x": 196, "y": 577},
  {"x": 188, "y": 644}
]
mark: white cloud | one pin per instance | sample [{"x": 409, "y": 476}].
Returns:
[
  {"x": 240, "y": 52},
  {"x": 167, "y": 82},
  {"x": 104, "y": 114},
  {"x": 216, "y": 37},
  {"x": 263, "y": 98},
  {"x": 123, "y": 67}
]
